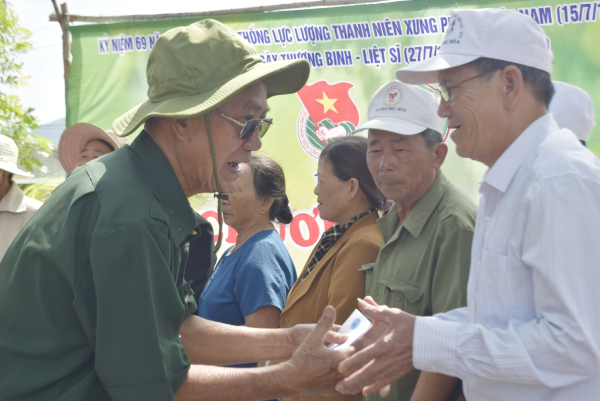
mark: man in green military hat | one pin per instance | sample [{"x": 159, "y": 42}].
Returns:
[{"x": 93, "y": 303}]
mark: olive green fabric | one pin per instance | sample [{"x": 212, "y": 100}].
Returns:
[
  {"x": 92, "y": 293},
  {"x": 423, "y": 267},
  {"x": 193, "y": 69}
]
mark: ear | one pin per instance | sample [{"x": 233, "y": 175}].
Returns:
[
  {"x": 354, "y": 187},
  {"x": 180, "y": 128},
  {"x": 266, "y": 202},
  {"x": 440, "y": 150},
  {"x": 512, "y": 86}
]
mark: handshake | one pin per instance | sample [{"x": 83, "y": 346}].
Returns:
[{"x": 381, "y": 356}]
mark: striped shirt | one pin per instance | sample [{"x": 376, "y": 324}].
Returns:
[{"x": 531, "y": 328}]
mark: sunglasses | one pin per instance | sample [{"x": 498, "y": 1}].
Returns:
[{"x": 251, "y": 126}]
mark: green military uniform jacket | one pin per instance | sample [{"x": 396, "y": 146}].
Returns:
[
  {"x": 92, "y": 293},
  {"x": 423, "y": 267}
]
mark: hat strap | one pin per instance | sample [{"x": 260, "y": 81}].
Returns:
[{"x": 220, "y": 194}]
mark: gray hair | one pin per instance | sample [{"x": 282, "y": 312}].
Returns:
[
  {"x": 431, "y": 137},
  {"x": 539, "y": 80}
]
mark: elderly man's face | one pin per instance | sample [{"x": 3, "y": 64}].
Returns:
[
  {"x": 402, "y": 166},
  {"x": 230, "y": 149},
  {"x": 474, "y": 111}
]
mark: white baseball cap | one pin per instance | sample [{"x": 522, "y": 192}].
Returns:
[
  {"x": 9, "y": 157},
  {"x": 403, "y": 109},
  {"x": 490, "y": 32},
  {"x": 573, "y": 109}
]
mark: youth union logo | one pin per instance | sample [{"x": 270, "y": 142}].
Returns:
[
  {"x": 393, "y": 96},
  {"x": 328, "y": 113}
]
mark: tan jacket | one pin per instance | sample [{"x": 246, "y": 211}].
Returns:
[{"x": 334, "y": 281}]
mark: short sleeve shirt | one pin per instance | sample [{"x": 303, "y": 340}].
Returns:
[
  {"x": 92, "y": 294},
  {"x": 259, "y": 273},
  {"x": 423, "y": 267}
]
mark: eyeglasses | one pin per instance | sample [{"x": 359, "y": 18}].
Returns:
[
  {"x": 444, "y": 91},
  {"x": 250, "y": 127}
]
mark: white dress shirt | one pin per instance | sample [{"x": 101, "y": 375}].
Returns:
[
  {"x": 15, "y": 210},
  {"x": 531, "y": 330}
]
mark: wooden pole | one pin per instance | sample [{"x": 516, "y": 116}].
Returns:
[
  {"x": 147, "y": 17},
  {"x": 63, "y": 19}
]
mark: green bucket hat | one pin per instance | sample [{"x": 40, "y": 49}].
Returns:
[{"x": 194, "y": 69}]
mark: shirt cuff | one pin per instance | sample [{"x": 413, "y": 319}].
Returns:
[{"x": 434, "y": 345}]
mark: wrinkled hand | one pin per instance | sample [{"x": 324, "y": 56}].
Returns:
[
  {"x": 385, "y": 351},
  {"x": 298, "y": 334},
  {"x": 314, "y": 367}
]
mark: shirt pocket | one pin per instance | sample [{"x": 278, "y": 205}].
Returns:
[
  {"x": 403, "y": 294},
  {"x": 368, "y": 269},
  {"x": 496, "y": 290}
]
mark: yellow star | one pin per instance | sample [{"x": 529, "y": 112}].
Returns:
[{"x": 328, "y": 104}]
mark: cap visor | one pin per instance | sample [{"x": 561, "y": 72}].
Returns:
[
  {"x": 281, "y": 78},
  {"x": 395, "y": 125},
  {"x": 426, "y": 71}
]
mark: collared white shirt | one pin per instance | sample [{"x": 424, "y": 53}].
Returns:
[
  {"x": 15, "y": 210},
  {"x": 531, "y": 330}
]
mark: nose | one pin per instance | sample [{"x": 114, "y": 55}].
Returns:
[
  {"x": 444, "y": 109},
  {"x": 253, "y": 143},
  {"x": 386, "y": 161}
]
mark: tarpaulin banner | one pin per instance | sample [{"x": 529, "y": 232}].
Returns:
[{"x": 353, "y": 50}]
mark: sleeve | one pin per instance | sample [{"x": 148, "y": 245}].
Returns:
[
  {"x": 263, "y": 278},
  {"x": 139, "y": 311},
  {"x": 451, "y": 274},
  {"x": 560, "y": 346},
  {"x": 347, "y": 282}
]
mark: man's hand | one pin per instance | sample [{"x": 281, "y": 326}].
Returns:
[
  {"x": 299, "y": 332},
  {"x": 385, "y": 351},
  {"x": 314, "y": 367}
]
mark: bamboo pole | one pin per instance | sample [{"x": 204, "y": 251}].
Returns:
[
  {"x": 278, "y": 7},
  {"x": 63, "y": 19}
]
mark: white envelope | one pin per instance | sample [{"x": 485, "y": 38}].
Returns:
[{"x": 355, "y": 326}]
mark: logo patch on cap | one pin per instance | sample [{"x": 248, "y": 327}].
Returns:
[
  {"x": 393, "y": 96},
  {"x": 455, "y": 31}
]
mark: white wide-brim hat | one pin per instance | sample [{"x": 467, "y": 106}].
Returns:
[
  {"x": 74, "y": 139},
  {"x": 572, "y": 108},
  {"x": 9, "y": 158},
  {"x": 491, "y": 33},
  {"x": 403, "y": 109}
]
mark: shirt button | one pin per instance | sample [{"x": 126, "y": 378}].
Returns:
[
  {"x": 384, "y": 256},
  {"x": 434, "y": 367},
  {"x": 202, "y": 300},
  {"x": 398, "y": 299},
  {"x": 376, "y": 292},
  {"x": 478, "y": 263},
  {"x": 487, "y": 218},
  {"x": 472, "y": 310},
  {"x": 179, "y": 229}
]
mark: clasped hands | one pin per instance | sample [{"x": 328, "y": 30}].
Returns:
[{"x": 380, "y": 357}]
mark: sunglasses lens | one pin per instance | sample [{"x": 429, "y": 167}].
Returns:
[
  {"x": 265, "y": 124},
  {"x": 249, "y": 129}
]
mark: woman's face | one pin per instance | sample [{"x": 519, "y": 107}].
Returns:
[
  {"x": 93, "y": 150},
  {"x": 243, "y": 207},
  {"x": 332, "y": 193}
]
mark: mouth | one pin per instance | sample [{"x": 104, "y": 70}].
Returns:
[{"x": 234, "y": 165}]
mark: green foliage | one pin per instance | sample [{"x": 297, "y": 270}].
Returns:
[
  {"x": 42, "y": 190},
  {"x": 15, "y": 121}
]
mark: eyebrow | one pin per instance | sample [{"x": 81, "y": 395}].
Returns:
[{"x": 253, "y": 105}]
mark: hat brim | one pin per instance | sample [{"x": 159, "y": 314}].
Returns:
[
  {"x": 426, "y": 71},
  {"x": 281, "y": 77},
  {"x": 395, "y": 125},
  {"x": 16, "y": 172},
  {"x": 73, "y": 140}
]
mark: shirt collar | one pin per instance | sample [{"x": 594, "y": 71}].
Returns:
[
  {"x": 165, "y": 186},
  {"x": 418, "y": 217},
  {"x": 502, "y": 172},
  {"x": 14, "y": 200}
]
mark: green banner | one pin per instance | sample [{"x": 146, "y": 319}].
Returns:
[{"x": 353, "y": 50}]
